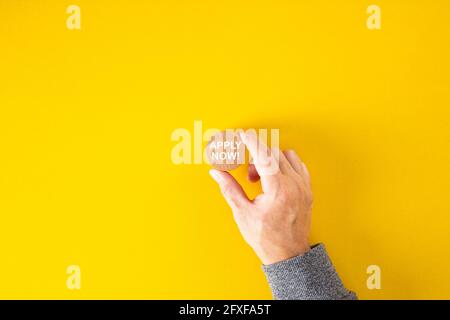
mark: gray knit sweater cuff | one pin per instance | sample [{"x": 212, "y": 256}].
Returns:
[{"x": 307, "y": 277}]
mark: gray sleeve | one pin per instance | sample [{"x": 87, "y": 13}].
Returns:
[{"x": 307, "y": 277}]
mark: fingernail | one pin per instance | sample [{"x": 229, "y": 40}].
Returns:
[{"x": 216, "y": 176}]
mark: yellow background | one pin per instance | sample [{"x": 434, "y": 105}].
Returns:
[{"x": 86, "y": 118}]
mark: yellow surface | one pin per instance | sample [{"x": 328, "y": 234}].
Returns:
[{"x": 86, "y": 118}]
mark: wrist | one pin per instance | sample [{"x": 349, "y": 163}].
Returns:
[{"x": 276, "y": 256}]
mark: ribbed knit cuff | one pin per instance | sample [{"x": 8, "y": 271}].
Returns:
[{"x": 307, "y": 277}]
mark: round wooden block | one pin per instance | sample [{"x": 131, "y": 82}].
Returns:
[{"x": 225, "y": 151}]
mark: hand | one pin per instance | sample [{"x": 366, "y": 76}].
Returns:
[{"x": 276, "y": 224}]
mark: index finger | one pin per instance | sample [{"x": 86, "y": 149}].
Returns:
[{"x": 265, "y": 161}]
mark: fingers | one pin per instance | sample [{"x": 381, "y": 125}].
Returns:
[
  {"x": 294, "y": 160},
  {"x": 268, "y": 163},
  {"x": 297, "y": 164},
  {"x": 285, "y": 166},
  {"x": 284, "y": 163},
  {"x": 265, "y": 163},
  {"x": 258, "y": 150},
  {"x": 232, "y": 191}
]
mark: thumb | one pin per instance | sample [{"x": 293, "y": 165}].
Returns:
[{"x": 232, "y": 191}]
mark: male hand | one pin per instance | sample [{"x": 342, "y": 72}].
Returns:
[{"x": 276, "y": 224}]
